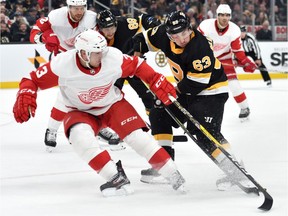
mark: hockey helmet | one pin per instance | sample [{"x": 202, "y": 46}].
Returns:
[
  {"x": 243, "y": 28},
  {"x": 106, "y": 19},
  {"x": 90, "y": 41},
  {"x": 151, "y": 22},
  {"x": 76, "y": 2},
  {"x": 176, "y": 22},
  {"x": 223, "y": 9}
]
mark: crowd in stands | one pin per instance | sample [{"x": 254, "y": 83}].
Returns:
[{"x": 18, "y": 16}]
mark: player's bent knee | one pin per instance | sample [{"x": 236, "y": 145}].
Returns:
[
  {"x": 83, "y": 141},
  {"x": 143, "y": 143}
]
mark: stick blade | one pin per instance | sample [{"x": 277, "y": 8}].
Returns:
[{"x": 268, "y": 202}]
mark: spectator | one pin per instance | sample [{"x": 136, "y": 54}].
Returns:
[
  {"x": 5, "y": 4},
  {"x": 32, "y": 16},
  {"x": 29, "y": 4},
  {"x": 23, "y": 33},
  {"x": 262, "y": 16},
  {"x": 236, "y": 13},
  {"x": 248, "y": 17},
  {"x": 174, "y": 6},
  {"x": 212, "y": 11},
  {"x": 5, "y": 34},
  {"x": 162, "y": 8},
  {"x": 5, "y": 19},
  {"x": 153, "y": 8},
  {"x": 19, "y": 18},
  {"x": 264, "y": 34}
]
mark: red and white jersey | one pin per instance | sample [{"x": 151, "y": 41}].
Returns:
[
  {"x": 224, "y": 43},
  {"x": 58, "y": 20},
  {"x": 90, "y": 90}
]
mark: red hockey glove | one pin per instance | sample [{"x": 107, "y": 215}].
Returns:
[
  {"x": 162, "y": 88},
  {"x": 51, "y": 41},
  {"x": 249, "y": 66},
  {"x": 25, "y": 105}
]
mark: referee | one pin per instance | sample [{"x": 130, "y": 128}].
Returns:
[{"x": 252, "y": 49}]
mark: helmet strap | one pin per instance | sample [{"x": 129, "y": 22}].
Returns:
[{"x": 87, "y": 62}]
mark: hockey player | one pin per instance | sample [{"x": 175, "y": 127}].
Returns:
[
  {"x": 202, "y": 87},
  {"x": 252, "y": 49},
  {"x": 226, "y": 38},
  {"x": 119, "y": 31},
  {"x": 86, "y": 77},
  {"x": 58, "y": 32}
]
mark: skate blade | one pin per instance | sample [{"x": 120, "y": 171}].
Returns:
[
  {"x": 49, "y": 149},
  {"x": 154, "y": 180},
  {"x": 182, "y": 189},
  {"x": 225, "y": 186},
  {"x": 123, "y": 191},
  {"x": 118, "y": 147},
  {"x": 246, "y": 119}
]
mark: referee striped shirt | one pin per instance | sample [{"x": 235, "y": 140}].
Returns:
[{"x": 251, "y": 46}]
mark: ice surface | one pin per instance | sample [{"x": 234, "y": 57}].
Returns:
[{"x": 34, "y": 182}]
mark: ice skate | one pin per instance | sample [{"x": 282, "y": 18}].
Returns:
[
  {"x": 268, "y": 83},
  {"x": 244, "y": 114},
  {"x": 177, "y": 181},
  {"x": 112, "y": 138},
  {"x": 118, "y": 185},
  {"x": 50, "y": 139},
  {"x": 234, "y": 178},
  {"x": 227, "y": 182},
  {"x": 152, "y": 176}
]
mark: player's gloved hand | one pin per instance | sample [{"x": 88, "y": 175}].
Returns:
[
  {"x": 249, "y": 66},
  {"x": 162, "y": 88},
  {"x": 51, "y": 41},
  {"x": 25, "y": 105}
]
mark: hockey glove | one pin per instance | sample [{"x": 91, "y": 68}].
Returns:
[
  {"x": 51, "y": 41},
  {"x": 249, "y": 66},
  {"x": 162, "y": 88},
  {"x": 25, "y": 105}
]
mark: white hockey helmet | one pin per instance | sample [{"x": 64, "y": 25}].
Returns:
[
  {"x": 223, "y": 9},
  {"x": 90, "y": 41},
  {"x": 76, "y": 2}
]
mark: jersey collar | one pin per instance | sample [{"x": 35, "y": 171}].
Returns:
[{"x": 88, "y": 71}]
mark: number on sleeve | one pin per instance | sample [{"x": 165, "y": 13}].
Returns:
[
  {"x": 41, "y": 71},
  {"x": 132, "y": 23}
]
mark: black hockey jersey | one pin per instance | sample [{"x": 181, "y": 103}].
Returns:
[
  {"x": 195, "y": 69},
  {"x": 126, "y": 29}
]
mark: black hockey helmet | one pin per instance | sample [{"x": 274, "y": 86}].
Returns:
[
  {"x": 176, "y": 22},
  {"x": 151, "y": 22},
  {"x": 106, "y": 19},
  {"x": 243, "y": 28}
]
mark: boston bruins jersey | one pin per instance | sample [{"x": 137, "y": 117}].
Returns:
[
  {"x": 126, "y": 29},
  {"x": 195, "y": 69}
]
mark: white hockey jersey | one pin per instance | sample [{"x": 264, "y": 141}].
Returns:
[
  {"x": 90, "y": 90},
  {"x": 65, "y": 31},
  {"x": 224, "y": 43},
  {"x": 58, "y": 20}
]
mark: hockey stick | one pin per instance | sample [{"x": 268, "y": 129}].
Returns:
[
  {"x": 245, "y": 189},
  {"x": 268, "y": 202},
  {"x": 258, "y": 68},
  {"x": 176, "y": 138}
]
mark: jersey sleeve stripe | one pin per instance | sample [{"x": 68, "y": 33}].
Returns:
[
  {"x": 199, "y": 77},
  {"x": 218, "y": 88}
]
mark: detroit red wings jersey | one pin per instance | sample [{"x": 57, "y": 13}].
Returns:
[
  {"x": 88, "y": 90},
  {"x": 224, "y": 43},
  {"x": 58, "y": 20}
]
